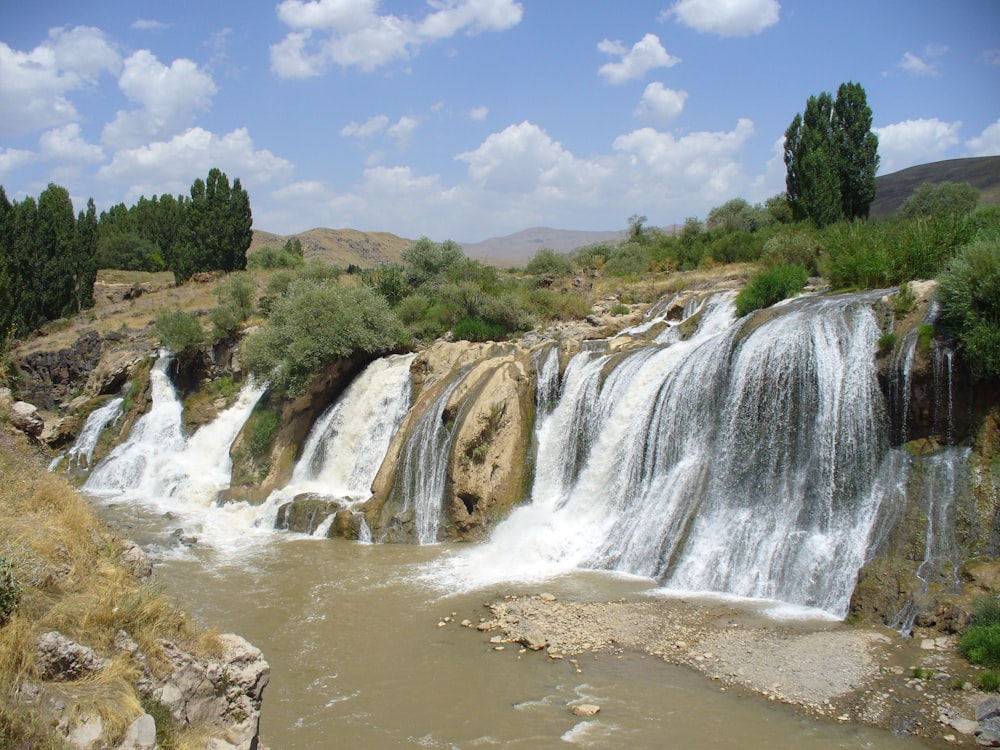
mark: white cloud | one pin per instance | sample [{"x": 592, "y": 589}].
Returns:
[
  {"x": 373, "y": 126},
  {"x": 904, "y": 144},
  {"x": 12, "y": 159},
  {"x": 514, "y": 159},
  {"x": 149, "y": 24},
  {"x": 645, "y": 55},
  {"x": 402, "y": 131},
  {"x": 726, "y": 17},
  {"x": 927, "y": 65},
  {"x": 660, "y": 104},
  {"x": 171, "y": 166},
  {"x": 986, "y": 143},
  {"x": 351, "y": 33},
  {"x": 478, "y": 114},
  {"x": 168, "y": 98},
  {"x": 66, "y": 144},
  {"x": 34, "y": 86}
]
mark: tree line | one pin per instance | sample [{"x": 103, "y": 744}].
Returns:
[{"x": 49, "y": 257}]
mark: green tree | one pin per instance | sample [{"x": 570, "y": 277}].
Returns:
[
  {"x": 737, "y": 215},
  {"x": 940, "y": 199},
  {"x": 969, "y": 293},
  {"x": 217, "y": 228},
  {"x": 548, "y": 261},
  {"x": 831, "y": 157}
]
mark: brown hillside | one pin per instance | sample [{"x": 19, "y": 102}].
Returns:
[
  {"x": 342, "y": 247},
  {"x": 982, "y": 172}
]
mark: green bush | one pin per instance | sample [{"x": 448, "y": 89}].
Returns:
[
  {"x": 989, "y": 681},
  {"x": 969, "y": 295},
  {"x": 799, "y": 244},
  {"x": 10, "y": 591},
  {"x": 548, "y": 262},
  {"x": 628, "y": 260},
  {"x": 940, "y": 199},
  {"x": 769, "y": 286},
  {"x": 477, "y": 329},
  {"x": 980, "y": 644},
  {"x": 263, "y": 431},
  {"x": 315, "y": 324},
  {"x": 179, "y": 331}
]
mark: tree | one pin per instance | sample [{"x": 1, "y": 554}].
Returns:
[
  {"x": 831, "y": 157},
  {"x": 940, "y": 199}
]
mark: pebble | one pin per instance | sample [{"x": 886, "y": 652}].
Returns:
[{"x": 585, "y": 709}]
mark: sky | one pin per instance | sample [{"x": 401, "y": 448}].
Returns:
[{"x": 472, "y": 119}]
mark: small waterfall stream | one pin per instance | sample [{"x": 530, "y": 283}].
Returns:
[{"x": 81, "y": 453}]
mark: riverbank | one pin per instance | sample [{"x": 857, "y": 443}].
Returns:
[{"x": 916, "y": 686}]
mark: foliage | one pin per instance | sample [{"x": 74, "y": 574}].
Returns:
[
  {"x": 737, "y": 215},
  {"x": 425, "y": 260},
  {"x": 593, "y": 256},
  {"x": 988, "y": 681},
  {"x": 628, "y": 260},
  {"x": 315, "y": 324},
  {"x": 769, "y": 286},
  {"x": 288, "y": 256},
  {"x": 939, "y": 199},
  {"x": 236, "y": 294},
  {"x": 831, "y": 157},
  {"x": 798, "y": 243},
  {"x": 129, "y": 252},
  {"x": 548, "y": 262},
  {"x": 980, "y": 644},
  {"x": 388, "y": 280},
  {"x": 969, "y": 294},
  {"x": 179, "y": 331},
  {"x": 47, "y": 259},
  {"x": 263, "y": 431},
  {"x": 10, "y": 591}
]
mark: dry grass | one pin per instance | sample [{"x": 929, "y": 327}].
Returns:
[{"x": 72, "y": 580}]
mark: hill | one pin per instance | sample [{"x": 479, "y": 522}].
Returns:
[
  {"x": 520, "y": 247},
  {"x": 342, "y": 247},
  {"x": 982, "y": 172}
]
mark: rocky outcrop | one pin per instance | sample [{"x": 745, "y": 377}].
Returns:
[
  {"x": 59, "y": 658},
  {"x": 25, "y": 417},
  {"x": 49, "y": 378},
  {"x": 488, "y": 415}
]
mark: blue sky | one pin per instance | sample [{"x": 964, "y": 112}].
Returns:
[{"x": 470, "y": 119}]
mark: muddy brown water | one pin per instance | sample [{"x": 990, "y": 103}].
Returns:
[{"x": 358, "y": 660}]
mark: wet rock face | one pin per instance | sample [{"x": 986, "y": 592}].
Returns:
[
  {"x": 306, "y": 512},
  {"x": 49, "y": 377}
]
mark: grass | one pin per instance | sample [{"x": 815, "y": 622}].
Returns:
[{"x": 68, "y": 569}]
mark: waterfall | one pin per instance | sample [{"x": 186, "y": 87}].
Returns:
[
  {"x": 423, "y": 467},
  {"x": 742, "y": 460},
  {"x": 81, "y": 453},
  {"x": 159, "y": 468},
  {"x": 546, "y": 365},
  {"x": 346, "y": 446}
]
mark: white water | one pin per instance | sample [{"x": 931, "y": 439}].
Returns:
[
  {"x": 346, "y": 446},
  {"x": 740, "y": 462},
  {"x": 82, "y": 453},
  {"x": 160, "y": 469}
]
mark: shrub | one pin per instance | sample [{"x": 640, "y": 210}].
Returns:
[
  {"x": 969, "y": 294},
  {"x": 314, "y": 325},
  {"x": 989, "y": 681},
  {"x": 980, "y": 644},
  {"x": 179, "y": 331},
  {"x": 769, "y": 286},
  {"x": 237, "y": 295},
  {"x": 629, "y": 259},
  {"x": 388, "y": 281},
  {"x": 939, "y": 199},
  {"x": 477, "y": 329},
  {"x": 595, "y": 255},
  {"x": 263, "y": 431},
  {"x": 270, "y": 258},
  {"x": 10, "y": 591},
  {"x": 548, "y": 261},
  {"x": 799, "y": 245}
]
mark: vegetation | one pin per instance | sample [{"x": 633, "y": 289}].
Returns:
[
  {"x": 769, "y": 286},
  {"x": 237, "y": 295},
  {"x": 969, "y": 294},
  {"x": 980, "y": 643},
  {"x": 548, "y": 261},
  {"x": 940, "y": 199},
  {"x": 289, "y": 256},
  {"x": 831, "y": 157},
  {"x": 179, "y": 331}
]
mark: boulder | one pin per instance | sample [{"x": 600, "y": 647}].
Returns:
[
  {"x": 25, "y": 417},
  {"x": 136, "y": 560},
  {"x": 140, "y": 735},
  {"x": 59, "y": 658}
]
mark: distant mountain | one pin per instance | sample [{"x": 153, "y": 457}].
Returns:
[
  {"x": 518, "y": 248},
  {"x": 342, "y": 247},
  {"x": 982, "y": 172}
]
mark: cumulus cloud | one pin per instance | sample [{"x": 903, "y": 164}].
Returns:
[
  {"x": 986, "y": 143},
  {"x": 171, "y": 166},
  {"x": 367, "y": 129},
  {"x": 34, "y": 86},
  {"x": 403, "y": 129},
  {"x": 478, "y": 114},
  {"x": 351, "y": 33},
  {"x": 645, "y": 55},
  {"x": 660, "y": 104},
  {"x": 66, "y": 144},
  {"x": 12, "y": 159},
  {"x": 904, "y": 144},
  {"x": 726, "y": 17},
  {"x": 929, "y": 64},
  {"x": 167, "y": 99}
]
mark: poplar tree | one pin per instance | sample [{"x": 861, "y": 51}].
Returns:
[{"x": 831, "y": 156}]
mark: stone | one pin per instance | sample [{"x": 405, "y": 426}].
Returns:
[
  {"x": 136, "y": 560},
  {"x": 988, "y": 739},
  {"x": 585, "y": 709},
  {"x": 988, "y": 709},
  {"x": 59, "y": 658},
  {"x": 140, "y": 735},
  {"x": 86, "y": 733},
  {"x": 964, "y": 726},
  {"x": 534, "y": 639},
  {"x": 25, "y": 417},
  {"x": 547, "y": 597}
]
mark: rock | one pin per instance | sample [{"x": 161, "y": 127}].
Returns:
[
  {"x": 585, "y": 709},
  {"x": 50, "y": 377},
  {"x": 136, "y": 560},
  {"x": 125, "y": 645},
  {"x": 305, "y": 512},
  {"x": 988, "y": 709},
  {"x": 59, "y": 658},
  {"x": 534, "y": 640},
  {"x": 25, "y": 417},
  {"x": 547, "y": 597},
  {"x": 988, "y": 739},
  {"x": 140, "y": 735},
  {"x": 964, "y": 726},
  {"x": 85, "y": 733}
]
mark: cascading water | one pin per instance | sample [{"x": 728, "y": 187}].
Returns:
[
  {"x": 81, "y": 453},
  {"x": 740, "y": 461},
  {"x": 158, "y": 468},
  {"x": 346, "y": 446}
]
